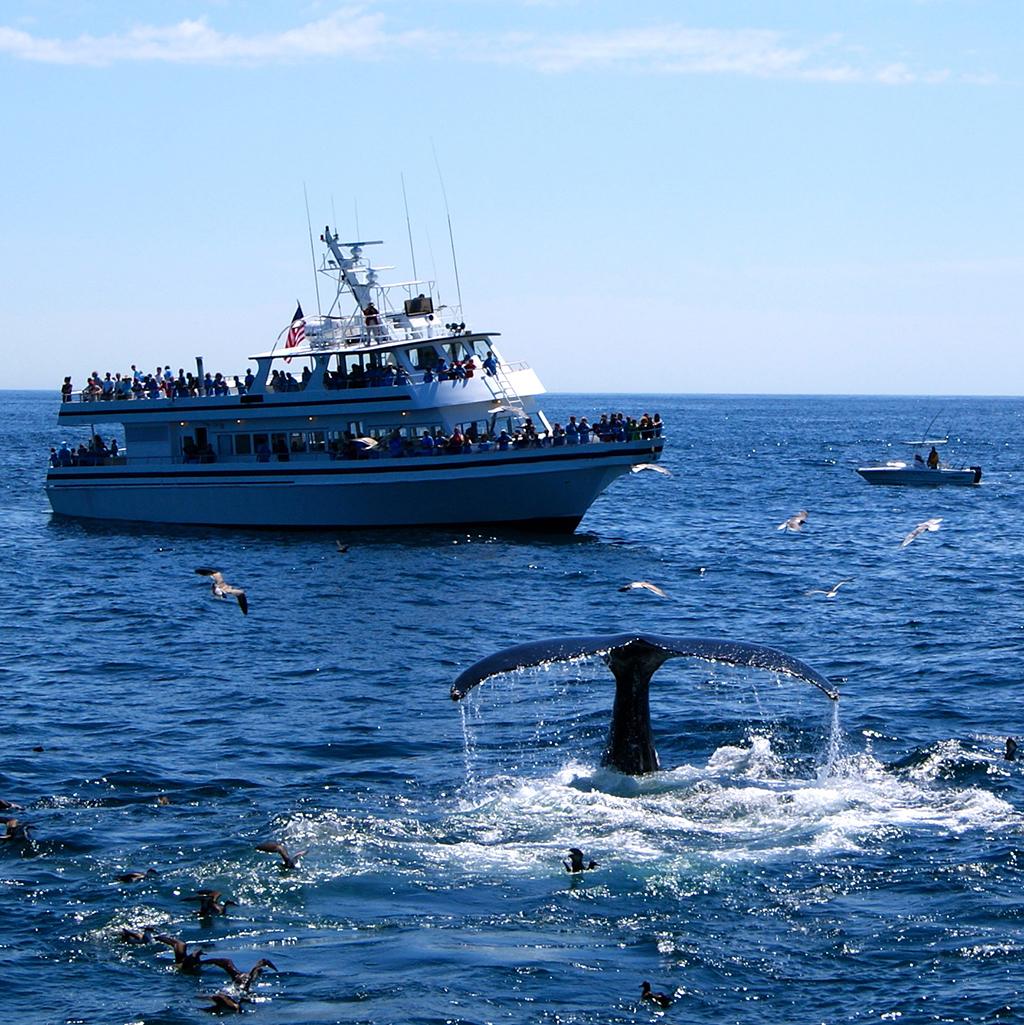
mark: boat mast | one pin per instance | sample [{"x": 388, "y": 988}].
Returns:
[{"x": 348, "y": 265}]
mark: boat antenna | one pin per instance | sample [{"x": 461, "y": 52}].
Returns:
[
  {"x": 408, "y": 226},
  {"x": 355, "y": 203},
  {"x": 451, "y": 236},
  {"x": 312, "y": 252}
]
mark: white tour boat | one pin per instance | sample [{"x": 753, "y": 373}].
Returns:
[
  {"x": 395, "y": 419},
  {"x": 921, "y": 471}
]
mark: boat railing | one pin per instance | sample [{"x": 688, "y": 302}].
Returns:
[
  {"x": 331, "y": 383},
  {"x": 412, "y": 450}
]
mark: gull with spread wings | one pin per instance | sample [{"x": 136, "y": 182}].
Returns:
[
  {"x": 921, "y": 528},
  {"x": 220, "y": 588}
]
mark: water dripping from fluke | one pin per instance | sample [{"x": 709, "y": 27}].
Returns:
[{"x": 633, "y": 659}]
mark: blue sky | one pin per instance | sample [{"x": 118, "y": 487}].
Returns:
[{"x": 719, "y": 196}]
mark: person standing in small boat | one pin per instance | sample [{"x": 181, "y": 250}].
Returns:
[{"x": 933, "y": 459}]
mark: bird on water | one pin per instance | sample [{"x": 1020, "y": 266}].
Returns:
[
  {"x": 221, "y": 1003},
  {"x": 137, "y": 936},
  {"x": 186, "y": 960},
  {"x": 576, "y": 864},
  {"x": 244, "y": 980},
  {"x": 220, "y": 588},
  {"x": 287, "y": 860},
  {"x": 661, "y": 999},
  {"x": 1010, "y": 751},
  {"x": 9, "y": 806},
  {"x": 208, "y": 903},
  {"x": 136, "y": 877},
  {"x": 15, "y": 830},
  {"x": 640, "y": 467}
]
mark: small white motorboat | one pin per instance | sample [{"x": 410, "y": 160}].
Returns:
[{"x": 921, "y": 471}]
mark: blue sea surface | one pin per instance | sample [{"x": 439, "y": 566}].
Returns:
[{"x": 795, "y": 861}]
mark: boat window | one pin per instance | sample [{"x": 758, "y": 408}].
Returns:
[
  {"x": 316, "y": 441},
  {"x": 297, "y": 443},
  {"x": 243, "y": 445},
  {"x": 424, "y": 356},
  {"x": 224, "y": 446},
  {"x": 261, "y": 441}
]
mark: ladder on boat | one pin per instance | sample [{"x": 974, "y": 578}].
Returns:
[{"x": 505, "y": 393}]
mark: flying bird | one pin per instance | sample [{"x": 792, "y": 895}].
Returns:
[
  {"x": 640, "y": 467},
  {"x": 794, "y": 523},
  {"x": 220, "y": 588},
  {"x": 287, "y": 860},
  {"x": 643, "y": 585},
  {"x": 576, "y": 864},
  {"x": 661, "y": 999},
  {"x": 833, "y": 592},
  {"x": 342, "y": 549},
  {"x": 244, "y": 980},
  {"x": 921, "y": 528}
]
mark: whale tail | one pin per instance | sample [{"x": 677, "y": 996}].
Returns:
[{"x": 633, "y": 659}]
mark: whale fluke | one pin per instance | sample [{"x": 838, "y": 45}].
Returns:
[{"x": 633, "y": 660}]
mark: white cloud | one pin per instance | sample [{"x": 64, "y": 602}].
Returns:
[
  {"x": 356, "y": 33},
  {"x": 346, "y": 33}
]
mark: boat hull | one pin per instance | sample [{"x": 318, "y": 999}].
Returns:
[
  {"x": 548, "y": 489},
  {"x": 908, "y": 477}
]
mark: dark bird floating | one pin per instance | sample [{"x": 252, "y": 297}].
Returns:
[
  {"x": 15, "y": 830},
  {"x": 221, "y": 1003},
  {"x": 135, "y": 877},
  {"x": 576, "y": 864},
  {"x": 137, "y": 936},
  {"x": 186, "y": 960},
  {"x": 243, "y": 980},
  {"x": 633, "y": 660},
  {"x": 208, "y": 903},
  {"x": 661, "y": 999}
]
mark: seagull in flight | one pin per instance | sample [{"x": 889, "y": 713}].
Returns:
[
  {"x": 640, "y": 467},
  {"x": 794, "y": 523},
  {"x": 220, "y": 588},
  {"x": 833, "y": 592},
  {"x": 921, "y": 528},
  {"x": 342, "y": 549},
  {"x": 643, "y": 585}
]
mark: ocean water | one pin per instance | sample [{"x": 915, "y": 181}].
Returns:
[{"x": 794, "y": 861}]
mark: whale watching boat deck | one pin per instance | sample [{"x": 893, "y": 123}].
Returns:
[{"x": 378, "y": 415}]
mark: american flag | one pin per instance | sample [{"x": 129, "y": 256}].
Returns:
[{"x": 297, "y": 332}]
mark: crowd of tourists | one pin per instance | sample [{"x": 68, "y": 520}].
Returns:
[
  {"x": 611, "y": 427},
  {"x": 96, "y": 453},
  {"x": 163, "y": 384}
]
